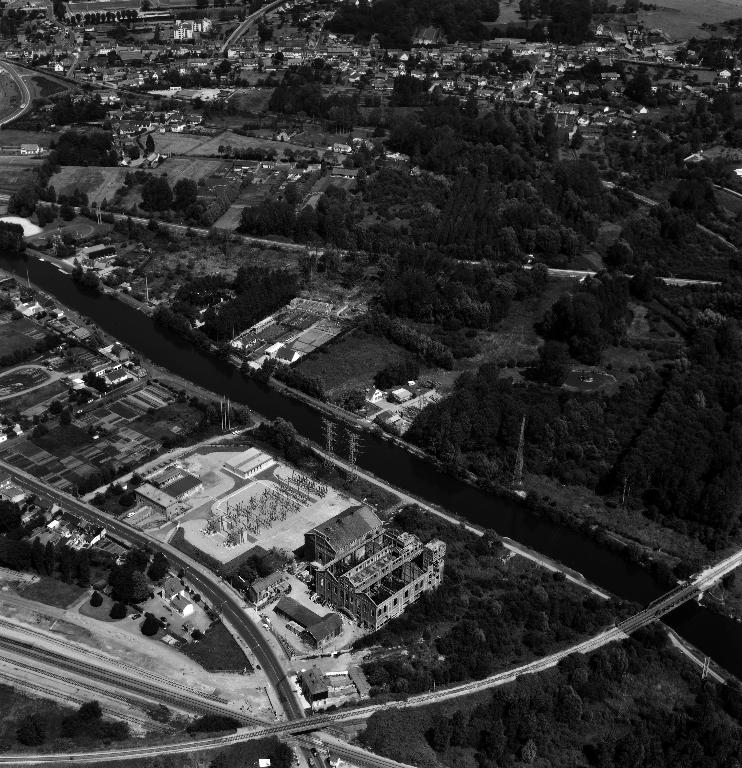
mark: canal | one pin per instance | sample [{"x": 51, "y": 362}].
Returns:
[{"x": 715, "y": 635}]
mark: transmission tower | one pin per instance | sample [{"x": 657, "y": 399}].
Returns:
[
  {"x": 329, "y": 427},
  {"x": 354, "y": 443},
  {"x": 705, "y": 670},
  {"x": 518, "y": 471}
]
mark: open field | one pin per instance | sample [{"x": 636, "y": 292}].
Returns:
[
  {"x": 43, "y": 86},
  {"x": 682, "y": 19},
  {"x": 97, "y": 182},
  {"x": 252, "y": 99},
  {"x": 350, "y": 362},
  {"x": 52, "y": 592},
  {"x": 218, "y": 651},
  {"x": 10, "y": 137},
  {"x": 195, "y": 168}
]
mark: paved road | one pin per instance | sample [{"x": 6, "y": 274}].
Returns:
[
  {"x": 51, "y": 377},
  {"x": 247, "y": 23},
  {"x": 215, "y": 592},
  {"x": 23, "y": 89}
]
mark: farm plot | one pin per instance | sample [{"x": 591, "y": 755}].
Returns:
[
  {"x": 19, "y": 334},
  {"x": 195, "y": 168},
  {"x": 20, "y": 379}
]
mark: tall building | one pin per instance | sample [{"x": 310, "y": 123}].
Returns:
[{"x": 367, "y": 569}]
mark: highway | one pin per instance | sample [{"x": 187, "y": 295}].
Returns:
[
  {"x": 655, "y": 610},
  {"x": 247, "y": 23},
  {"x": 23, "y": 90},
  {"x": 209, "y": 585}
]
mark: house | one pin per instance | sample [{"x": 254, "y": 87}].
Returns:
[
  {"x": 347, "y": 530},
  {"x": 171, "y": 588},
  {"x": 181, "y": 605},
  {"x": 314, "y": 685},
  {"x": 325, "y": 630},
  {"x": 31, "y": 149},
  {"x": 400, "y": 395},
  {"x": 268, "y": 588},
  {"x": 146, "y": 493},
  {"x": 287, "y": 355}
]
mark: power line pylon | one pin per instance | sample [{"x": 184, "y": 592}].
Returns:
[
  {"x": 354, "y": 444},
  {"x": 518, "y": 471},
  {"x": 705, "y": 670},
  {"x": 329, "y": 427}
]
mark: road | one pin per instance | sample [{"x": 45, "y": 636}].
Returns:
[
  {"x": 655, "y": 610},
  {"x": 247, "y": 23},
  {"x": 23, "y": 90},
  {"x": 214, "y": 591}
]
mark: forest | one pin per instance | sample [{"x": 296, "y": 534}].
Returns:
[
  {"x": 484, "y": 616},
  {"x": 395, "y": 22},
  {"x": 638, "y": 703}
]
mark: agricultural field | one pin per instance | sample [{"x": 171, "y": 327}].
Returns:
[
  {"x": 16, "y": 171},
  {"x": 195, "y": 168},
  {"x": 17, "y": 334},
  {"x": 44, "y": 86},
  {"x": 682, "y": 19},
  {"x": 195, "y": 145},
  {"x": 97, "y": 182},
  {"x": 12, "y": 137},
  {"x": 119, "y": 433},
  {"x": 252, "y": 99}
]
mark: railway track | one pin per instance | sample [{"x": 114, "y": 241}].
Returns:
[
  {"x": 114, "y": 680},
  {"x": 46, "y": 692},
  {"x": 104, "y": 658}
]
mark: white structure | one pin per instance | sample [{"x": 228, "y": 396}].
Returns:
[{"x": 249, "y": 463}]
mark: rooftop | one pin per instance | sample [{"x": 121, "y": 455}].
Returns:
[{"x": 348, "y": 526}]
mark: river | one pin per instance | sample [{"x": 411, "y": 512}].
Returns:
[{"x": 716, "y": 636}]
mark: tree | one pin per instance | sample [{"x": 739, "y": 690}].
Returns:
[
  {"x": 159, "y": 567},
  {"x": 149, "y": 145},
  {"x": 553, "y": 362},
  {"x": 90, "y": 710},
  {"x": 96, "y": 600},
  {"x": 50, "y": 558},
  {"x": 31, "y": 731},
  {"x": 83, "y": 568},
  {"x": 67, "y": 212},
  {"x": 129, "y": 584},
  {"x": 118, "y": 611},
  {"x": 186, "y": 194},
  {"x": 619, "y": 255},
  {"x": 65, "y": 417},
  {"x": 156, "y": 194},
  {"x": 150, "y": 626}
]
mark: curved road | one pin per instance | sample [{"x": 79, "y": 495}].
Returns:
[
  {"x": 247, "y": 23},
  {"x": 209, "y": 585},
  {"x": 25, "y": 93}
]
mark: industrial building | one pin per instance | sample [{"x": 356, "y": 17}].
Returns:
[
  {"x": 249, "y": 463},
  {"x": 368, "y": 570}
]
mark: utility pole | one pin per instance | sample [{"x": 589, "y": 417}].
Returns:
[
  {"x": 518, "y": 471},
  {"x": 146, "y": 289},
  {"x": 329, "y": 427}
]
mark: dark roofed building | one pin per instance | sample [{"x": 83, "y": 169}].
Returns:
[
  {"x": 314, "y": 685},
  {"x": 294, "y": 611},
  {"x": 345, "y": 532},
  {"x": 328, "y": 628},
  {"x": 267, "y": 588}
]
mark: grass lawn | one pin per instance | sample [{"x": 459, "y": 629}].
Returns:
[
  {"x": 45, "y": 87},
  {"x": 98, "y": 182},
  {"x": 29, "y": 399},
  {"x": 217, "y": 652},
  {"x": 16, "y": 171},
  {"x": 63, "y": 440},
  {"x": 53, "y": 592},
  {"x": 351, "y": 362}
]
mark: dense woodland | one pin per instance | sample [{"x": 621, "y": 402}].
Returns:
[
  {"x": 637, "y": 703},
  {"x": 481, "y": 619}
]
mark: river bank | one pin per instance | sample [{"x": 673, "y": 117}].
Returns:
[{"x": 715, "y": 635}]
